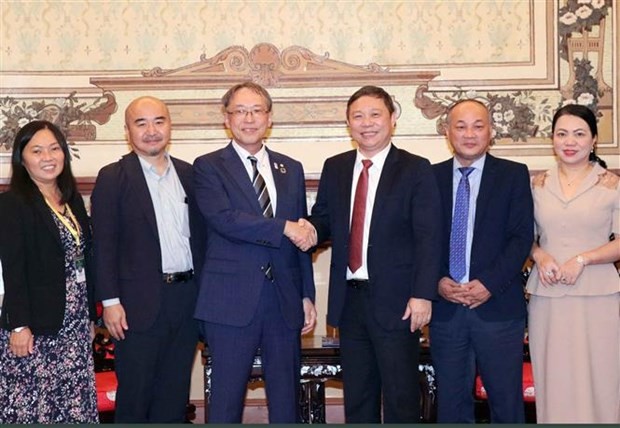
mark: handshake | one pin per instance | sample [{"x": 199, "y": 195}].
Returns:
[{"x": 301, "y": 233}]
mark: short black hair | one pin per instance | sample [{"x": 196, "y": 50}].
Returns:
[{"x": 375, "y": 92}]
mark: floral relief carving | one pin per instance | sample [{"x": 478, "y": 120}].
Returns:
[
  {"x": 295, "y": 66},
  {"x": 516, "y": 115},
  {"x": 578, "y": 41},
  {"x": 73, "y": 116},
  {"x": 579, "y": 16}
]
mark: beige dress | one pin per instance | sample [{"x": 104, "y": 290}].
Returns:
[{"x": 574, "y": 331}]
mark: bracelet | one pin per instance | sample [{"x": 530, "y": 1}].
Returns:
[
  {"x": 581, "y": 260},
  {"x": 18, "y": 329}
]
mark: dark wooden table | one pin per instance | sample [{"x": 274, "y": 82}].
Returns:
[{"x": 319, "y": 364}]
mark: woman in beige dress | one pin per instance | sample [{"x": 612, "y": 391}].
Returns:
[{"x": 574, "y": 309}]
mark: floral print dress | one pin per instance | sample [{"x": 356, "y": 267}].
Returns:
[{"x": 56, "y": 383}]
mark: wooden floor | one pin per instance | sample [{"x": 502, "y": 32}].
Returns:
[{"x": 257, "y": 414}]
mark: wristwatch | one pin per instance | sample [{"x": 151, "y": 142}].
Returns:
[
  {"x": 579, "y": 259},
  {"x": 18, "y": 329}
]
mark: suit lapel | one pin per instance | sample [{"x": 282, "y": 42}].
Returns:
[
  {"x": 345, "y": 181},
  {"x": 139, "y": 188},
  {"x": 445, "y": 182},
  {"x": 47, "y": 215},
  {"x": 234, "y": 165},
  {"x": 487, "y": 183},
  {"x": 278, "y": 171},
  {"x": 185, "y": 176},
  {"x": 386, "y": 183}
]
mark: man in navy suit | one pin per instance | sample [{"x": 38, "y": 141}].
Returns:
[
  {"x": 148, "y": 238},
  {"x": 385, "y": 262},
  {"x": 257, "y": 288},
  {"x": 479, "y": 319}
]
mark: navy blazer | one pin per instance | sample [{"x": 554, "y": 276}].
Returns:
[
  {"x": 404, "y": 238},
  {"x": 241, "y": 242},
  {"x": 126, "y": 239},
  {"x": 33, "y": 262},
  {"x": 503, "y": 237}
]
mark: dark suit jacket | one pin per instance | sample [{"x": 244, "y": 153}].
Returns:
[
  {"x": 241, "y": 242},
  {"x": 127, "y": 249},
  {"x": 404, "y": 239},
  {"x": 33, "y": 263},
  {"x": 503, "y": 236}
]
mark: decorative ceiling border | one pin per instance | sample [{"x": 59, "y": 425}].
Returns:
[{"x": 293, "y": 67}]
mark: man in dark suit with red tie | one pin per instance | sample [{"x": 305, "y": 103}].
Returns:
[
  {"x": 380, "y": 207},
  {"x": 257, "y": 288},
  {"x": 479, "y": 320}
]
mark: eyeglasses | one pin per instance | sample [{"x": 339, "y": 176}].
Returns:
[{"x": 243, "y": 112}]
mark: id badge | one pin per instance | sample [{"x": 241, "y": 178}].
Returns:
[{"x": 80, "y": 269}]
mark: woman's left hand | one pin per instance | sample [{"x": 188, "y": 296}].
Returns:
[{"x": 570, "y": 271}]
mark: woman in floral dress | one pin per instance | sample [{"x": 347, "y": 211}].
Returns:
[{"x": 46, "y": 363}]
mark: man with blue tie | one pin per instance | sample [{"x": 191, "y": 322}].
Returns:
[
  {"x": 257, "y": 288},
  {"x": 479, "y": 320}
]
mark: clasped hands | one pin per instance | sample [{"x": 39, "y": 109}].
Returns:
[
  {"x": 301, "y": 233},
  {"x": 551, "y": 273},
  {"x": 471, "y": 294}
]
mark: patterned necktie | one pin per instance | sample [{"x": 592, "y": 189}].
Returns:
[
  {"x": 356, "y": 237},
  {"x": 458, "y": 237},
  {"x": 258, "y": 182}
]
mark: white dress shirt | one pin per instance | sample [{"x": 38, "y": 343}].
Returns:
[
  {"x": 374, "y": 174},
  {"x": 264, "y": 168}
]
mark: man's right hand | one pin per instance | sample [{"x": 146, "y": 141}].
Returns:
[
  {"x": 115, "y": 321},
  {"x": 301, "y": 233}
]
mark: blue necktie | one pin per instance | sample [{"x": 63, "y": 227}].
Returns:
[{"x": 458, "y": 237}]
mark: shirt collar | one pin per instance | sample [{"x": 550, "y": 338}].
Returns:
[
  {"x": 261, "y": 155},
  {"x": 478, "y": 164},
  {"x": 378, "y": 160},
  {"x": 148, "y": 168}
]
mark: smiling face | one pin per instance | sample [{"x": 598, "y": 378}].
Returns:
[
  {"x": 43, "y": 158},
  {"x": 147, "y": 126},
  {"x": 371, "y": 124},
  {"x": 469, "y": 131},
  {"x": 572, "y": 140},
  {"x": 248, "y": 117}
]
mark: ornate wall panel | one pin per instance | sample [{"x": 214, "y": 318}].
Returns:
[{"x": 80, "y": 64}]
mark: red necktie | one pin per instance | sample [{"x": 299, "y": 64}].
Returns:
[{"x": 356, "y": 237}]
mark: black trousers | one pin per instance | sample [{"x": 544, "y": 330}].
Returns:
[
  {"x": 495, "y": 348},
  {"x": 154, "y": 367},
  {"x": 380, "y": 367}
]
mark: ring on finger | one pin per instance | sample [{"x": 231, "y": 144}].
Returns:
[{"x": 549, "y": 273}]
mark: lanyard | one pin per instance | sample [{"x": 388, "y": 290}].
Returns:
[{"x": 73, "y": 227}]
